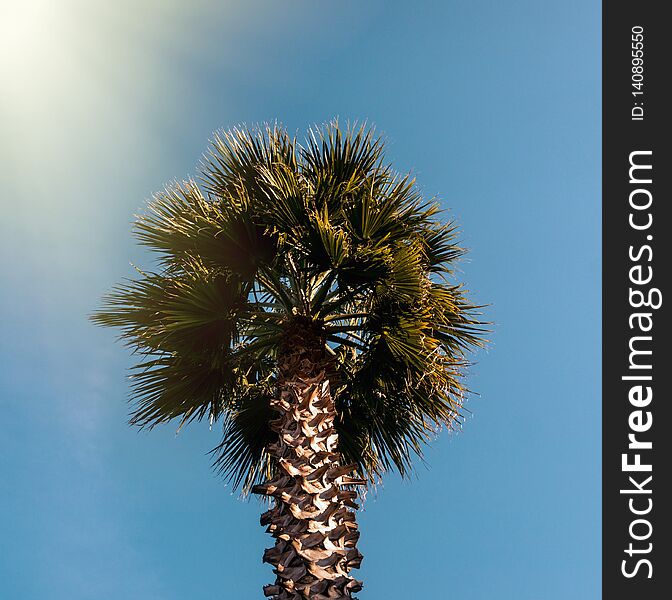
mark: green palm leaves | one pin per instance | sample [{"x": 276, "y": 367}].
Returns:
[{"x": 279, "y": 231}]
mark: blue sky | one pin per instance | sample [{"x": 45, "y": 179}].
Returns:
[{"x": 494, "y": 106}]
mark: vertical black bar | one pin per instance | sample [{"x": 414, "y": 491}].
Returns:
[{"x": 637, "y": 353}]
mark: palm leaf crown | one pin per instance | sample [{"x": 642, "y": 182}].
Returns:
[{"x": 277, "y": 232}]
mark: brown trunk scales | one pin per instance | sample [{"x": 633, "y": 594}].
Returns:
[{"x": 316, "y": 534}]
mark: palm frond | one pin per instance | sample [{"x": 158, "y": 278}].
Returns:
[{"x": 275, "y": 234}]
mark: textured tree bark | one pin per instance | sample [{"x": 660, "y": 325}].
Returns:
[{"x": 316, "y": 533}]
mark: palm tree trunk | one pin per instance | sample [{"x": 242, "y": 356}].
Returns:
[{"x": 316, "y": 534}]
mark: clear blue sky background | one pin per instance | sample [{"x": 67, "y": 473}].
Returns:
[{"x": 494, "y": 105}]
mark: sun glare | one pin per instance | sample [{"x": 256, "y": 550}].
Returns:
[{"x": 24, "y": 27}]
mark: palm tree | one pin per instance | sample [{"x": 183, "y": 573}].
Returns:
[{"x": 304, "y": 298}]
